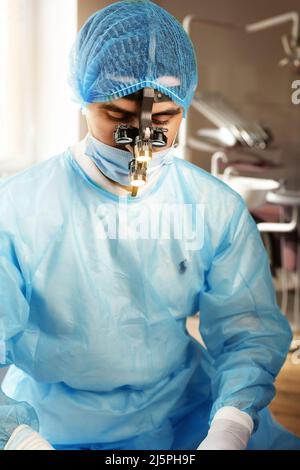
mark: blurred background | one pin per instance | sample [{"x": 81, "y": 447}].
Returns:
[{"x": 243, "y": 125}]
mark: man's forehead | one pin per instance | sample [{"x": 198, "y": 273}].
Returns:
[{"x": 134, "y": 106}]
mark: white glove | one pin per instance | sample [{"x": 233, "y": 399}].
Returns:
[
  {"x": 230, "y": 429},
  {"x": 25, "y": 438}
]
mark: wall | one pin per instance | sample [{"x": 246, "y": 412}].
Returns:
[{"x": 87, "y": 7}]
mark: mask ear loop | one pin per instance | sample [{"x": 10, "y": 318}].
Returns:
[{"x": 173, "y": 143}]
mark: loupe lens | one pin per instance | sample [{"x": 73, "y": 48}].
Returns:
[{"x": 159, "y": 139}]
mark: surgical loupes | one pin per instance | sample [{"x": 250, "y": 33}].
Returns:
[{"x": 141, "y": 140}]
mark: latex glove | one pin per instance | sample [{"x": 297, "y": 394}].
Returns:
[
  {"x": 25, "y": 438},
  {"x": 230, "y": 430},
  {"x": 12, "y": 414}
]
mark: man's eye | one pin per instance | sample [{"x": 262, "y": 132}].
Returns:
[
  {"x": 160, "y": 123},
  {"x": 117, "y": 116},
  {"x": 161, "y": 120}
]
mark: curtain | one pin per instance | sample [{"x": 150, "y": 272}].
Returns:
[
  {"x": 16, "y": 69},
  {"x": 37, "y": 117}
]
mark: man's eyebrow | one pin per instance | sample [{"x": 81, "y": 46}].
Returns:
[
  {"x": 113, "y": 107},
  {"x": 170, "y": 112}
]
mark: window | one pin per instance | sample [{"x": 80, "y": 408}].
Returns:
[{"x": 37, "y": 116}]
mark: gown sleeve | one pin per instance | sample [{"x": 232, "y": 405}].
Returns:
[
  {"x": 240, "y": 322},
  {"x": 14, "y": 313}
]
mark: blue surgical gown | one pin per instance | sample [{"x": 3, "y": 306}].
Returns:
[{"x": 94, "y": 327}]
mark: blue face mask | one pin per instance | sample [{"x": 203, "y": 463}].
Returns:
[{"x": 113, "y": 162}]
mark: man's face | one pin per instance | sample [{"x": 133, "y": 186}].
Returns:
[{"x": 103, "y": 118}]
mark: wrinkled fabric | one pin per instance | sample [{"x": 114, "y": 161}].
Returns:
[
  {"x": 114, "y": 162},
  {"x": 95, "y": 326},
  {"x": 130, "y": 45}
]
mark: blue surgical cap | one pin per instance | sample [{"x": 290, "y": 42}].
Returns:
[{"x": 130, "y": 45}]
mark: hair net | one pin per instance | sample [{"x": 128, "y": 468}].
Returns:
[{"x": 131, "y": 45}]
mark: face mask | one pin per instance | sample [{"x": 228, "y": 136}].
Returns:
[{"x": 114, "y": 162}]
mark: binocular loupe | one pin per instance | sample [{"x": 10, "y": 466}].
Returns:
[{"x": 142, "y": 140}]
